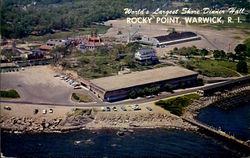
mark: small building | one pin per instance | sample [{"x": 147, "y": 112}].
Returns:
[
  {"x": 146, "y": 55},
  {"x": 91, "y": 43},
  {"x": 52, "y": 43},
  {"x": 120, "y": 86},
  {"x": 56, "y": 42},
  {"x": 45, "y": 48}
]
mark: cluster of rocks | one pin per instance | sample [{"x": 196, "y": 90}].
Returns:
[
  {"x": 74, "y": 121},
  {"x": 152, "y": 120},
  {"x": 233, "y": 100},
  {"x": 31, "y": 125},
  {"x": 194, "y": 109}
]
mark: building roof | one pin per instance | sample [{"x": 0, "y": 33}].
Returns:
[
  {"x": 175, "y": 36},
  {"x": 145, "y": 50},
  {"x": 45, "y": 47},
  {"x": 141, "y": 77}
]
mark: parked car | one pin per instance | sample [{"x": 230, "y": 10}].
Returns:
[
  {"x": 123, "y": 108},
  {"x": 7, "y": 108},
  {"x": 75, "y": 84},
  {"x": 149, "y": 108},
  {"x": 44, "y": 111},
  {"x": 150, "y": 96},
  {"x": 103, "y": 108},
  {"x": 50, "y": 110},
  {"x": 136, "y": 107},
  {"x": 77, "y": 87},
  {"x": 114, "y": 108},
  {"x": 108, "y": 108},
  {"x": 56, "y": 75},
  {"x": 35, "y": 111}
]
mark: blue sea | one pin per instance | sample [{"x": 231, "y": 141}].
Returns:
[{"x": 141, "y": 143}]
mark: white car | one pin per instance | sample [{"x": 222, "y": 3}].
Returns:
[
  {"x": 77, "y": 87},
  {"x": 44, "y": 111},
  {"x": 50, "y": 110},
  {"x": 103, "y": 108}
]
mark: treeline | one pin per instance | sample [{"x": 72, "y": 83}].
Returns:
[
  {"x": 23, "y": 18},
  {"x": 28, "y": 17}
]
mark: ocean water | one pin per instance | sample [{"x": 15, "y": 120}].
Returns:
[
  {"x": 236, "y": 121},
  {"x": 105, "y": 143}
]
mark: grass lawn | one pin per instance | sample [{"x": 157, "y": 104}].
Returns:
[
  {"x": 177, "y": 105},
  {"x": 216, "y": 68},
  {"x": 81, "y": 97},
  {"x": 9, "y": 94}
]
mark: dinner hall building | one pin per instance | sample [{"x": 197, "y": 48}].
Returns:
[{"x": 119, "y": 87}]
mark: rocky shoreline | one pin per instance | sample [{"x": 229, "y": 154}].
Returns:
[{"x": 93, "y": 121}]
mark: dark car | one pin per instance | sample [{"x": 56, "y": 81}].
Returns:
[
  {"x": 114, "y": 108},
  {"x": 149, "y": 108},
  {"x": 108, "y": 108},
  {"x": 7, "y": 108},
  {"x": 123, "y": 108},
  {"x": 35, "y": 111}
]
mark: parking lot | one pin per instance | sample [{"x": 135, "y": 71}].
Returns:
[{"x": 38, "y": 84}]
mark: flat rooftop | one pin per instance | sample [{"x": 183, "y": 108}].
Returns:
[
  {"x": 141, "y": 77},
  {"x": 175, "y": 36}
]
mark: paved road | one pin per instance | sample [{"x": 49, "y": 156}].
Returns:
[{"x": 132, "y": 101}]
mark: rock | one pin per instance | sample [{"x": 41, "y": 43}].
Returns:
[
  {"x": 89, "y": 141},
  {"x": 113, "y": 145},
  {"x": 131, "y": 131},
  {"x": 41, "y": 129},
  {"x": 120, "y": 133},
  {"x": 14, "y": 121},
  {"x": 17, "y": 132},
  {"x": 77, "y": 142},
  {"x": 47, "y": 125},
  {"x": 28, "y": 123}
]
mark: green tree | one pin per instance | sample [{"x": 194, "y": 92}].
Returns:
[
  {"x": 231, "y": 56},
  {"x": 204, "y": 52},
  {"x": 240, "y": 48},
  {"x": 242, "y": 67},
  {"x": 167, "y": 87},
  {"x": 219, "y": 54},
  {"x": 155, "y": 90},
  {"x": 132, "y": 95},
  {"x": 241, "y": 51},
  {"x": 140, "y": 92}
]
